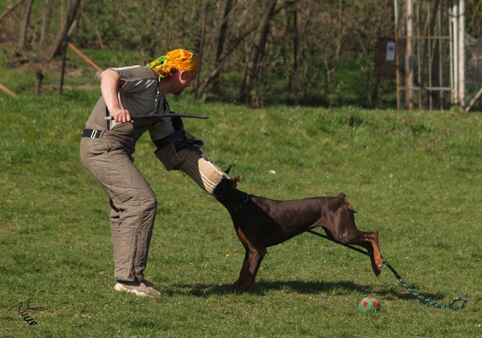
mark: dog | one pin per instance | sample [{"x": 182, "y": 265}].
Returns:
[{"x": 262, "y": 222}]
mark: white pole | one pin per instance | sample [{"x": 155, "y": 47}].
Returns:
[
  {"x": 461, "y": 48},
  {"x": 409, "y": 55},
  {"x": 455, "y": 20},
  {"x": 451, "y": 51}
]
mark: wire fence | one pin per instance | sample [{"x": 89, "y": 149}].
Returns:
[
  {"x": 473, "y": 73},
  {"x": 429, "y": 58}
]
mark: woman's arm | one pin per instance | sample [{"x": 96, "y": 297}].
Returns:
[{"x": 110, "y": 83}]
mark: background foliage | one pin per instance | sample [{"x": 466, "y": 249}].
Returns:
[{"x": 335, "y": 43}]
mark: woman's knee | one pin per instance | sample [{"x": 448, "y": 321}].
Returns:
[{"x": 149, "y": 203}]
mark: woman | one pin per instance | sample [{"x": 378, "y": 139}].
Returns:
[{"x": 133, "y": 101}]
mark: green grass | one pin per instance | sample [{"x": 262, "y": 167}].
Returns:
[{"x": 414, "y": 177}]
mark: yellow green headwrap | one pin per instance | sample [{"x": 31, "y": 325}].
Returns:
[{"x": 177, "y": 59}]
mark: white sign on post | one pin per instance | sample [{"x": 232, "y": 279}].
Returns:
[{"x": 391, "y": 51}]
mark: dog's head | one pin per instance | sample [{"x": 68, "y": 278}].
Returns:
[{"x": 235, "y": 181}]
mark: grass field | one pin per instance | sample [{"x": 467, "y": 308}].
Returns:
[{"x": 414, "y": 177}]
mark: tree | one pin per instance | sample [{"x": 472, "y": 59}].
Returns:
[
  {"x": 201, "y": 43},
  {"x": 242, "y": 45},
  {"x": 10, "y": 9},
  {"x": 220, "y": 43},
  {"x": 22, "y": 41},
  {"x": 256, "y": 52},
  {"x": 228, "y": 49},
  {"x": 71, "y": 13},
  {"x": 45, "y": 23}
]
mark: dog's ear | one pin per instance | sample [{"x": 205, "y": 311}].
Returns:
[
  {"x": 236, "y": 180},
  {"x": 229, "y": 169}
]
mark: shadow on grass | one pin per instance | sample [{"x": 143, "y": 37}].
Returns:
[{"x": 301, "y": 287}]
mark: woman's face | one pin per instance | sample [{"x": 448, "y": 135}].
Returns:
[{"x": 183, "y": 80}]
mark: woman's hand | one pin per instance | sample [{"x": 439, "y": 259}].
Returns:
[{"x": 122, "y": 116}]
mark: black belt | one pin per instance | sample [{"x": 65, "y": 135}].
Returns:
[{"x": 92, "y": 133}]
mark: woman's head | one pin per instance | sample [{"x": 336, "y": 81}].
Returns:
[{"x": 175, "y": 60}]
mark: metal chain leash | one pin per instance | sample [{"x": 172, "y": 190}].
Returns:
[
  {"x": 427, "y": 300},
  {"x": 450, "y": 306}
]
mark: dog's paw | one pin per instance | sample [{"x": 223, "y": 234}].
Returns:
[
  {"x": 228, "y": 286},
  {"x": 238, "y": 286},
  {"x": 377, "y": 267}
]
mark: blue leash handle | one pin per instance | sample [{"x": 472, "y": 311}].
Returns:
[{"x": 450, "y": 306}]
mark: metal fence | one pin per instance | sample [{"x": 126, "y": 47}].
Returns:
[{"x": 438, "y": 65}]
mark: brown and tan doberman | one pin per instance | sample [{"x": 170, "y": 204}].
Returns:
[{"x": 261, "y": 222}]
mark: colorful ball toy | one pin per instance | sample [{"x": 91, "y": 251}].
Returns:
[{"x": 369, "y": 303}]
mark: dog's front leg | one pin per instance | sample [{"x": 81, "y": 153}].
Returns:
[
  {"x": 252, "y": 260},
  {"x": 244, "y": 272}
]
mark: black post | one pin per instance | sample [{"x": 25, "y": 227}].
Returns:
[
  {"x": 62, "y": 70},
  {"x": 64, "y": 52}
]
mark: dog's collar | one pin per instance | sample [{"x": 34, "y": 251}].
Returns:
[{"x": 246, "y": 199}]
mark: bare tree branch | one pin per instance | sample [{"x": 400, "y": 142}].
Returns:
[
  {"x": 61, "y": 37},
  {"x": 233, "y": 45},
  {"x": 10, "y": 9}
]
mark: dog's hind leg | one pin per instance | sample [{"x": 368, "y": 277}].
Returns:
[
  {"x": 339, "y": 224},
  {"x": 369, "y": 241}
]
